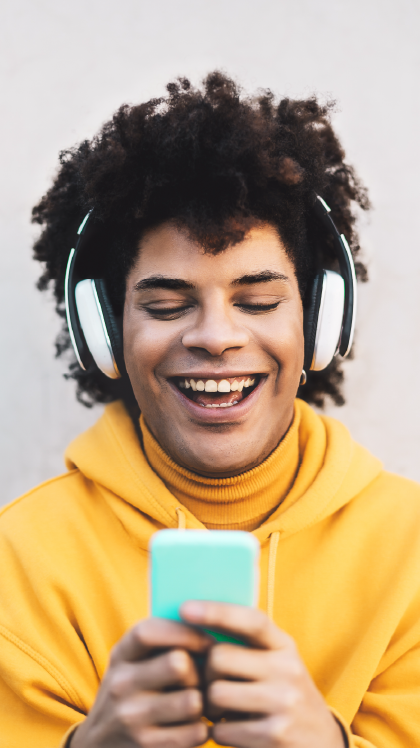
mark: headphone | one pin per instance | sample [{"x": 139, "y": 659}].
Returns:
[{"x": 96, "y": 335}]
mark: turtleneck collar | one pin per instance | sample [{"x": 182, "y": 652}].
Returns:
[{"x": 242, "y": 502}]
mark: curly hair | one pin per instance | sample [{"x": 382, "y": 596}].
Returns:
[{"x": 213, "y": 161}]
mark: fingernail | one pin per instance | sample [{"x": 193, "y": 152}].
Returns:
[{"x": 193, "y": 610}]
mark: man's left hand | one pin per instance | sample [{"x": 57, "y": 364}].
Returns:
[{"x": 260, "y": 695}]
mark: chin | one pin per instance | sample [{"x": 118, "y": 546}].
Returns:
[{"x": 219, "y": 454}]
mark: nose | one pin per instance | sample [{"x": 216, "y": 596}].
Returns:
[{"x": 215, "y": 331}]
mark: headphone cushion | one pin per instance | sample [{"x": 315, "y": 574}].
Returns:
[
  {"x": 93, "y": 327},
  {"x": 112, "y": 326},
  {"x": 310, "y": 319},
  {"x": 330, "y": 320}
]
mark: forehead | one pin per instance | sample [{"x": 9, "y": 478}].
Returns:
[{"x": 171, "y": 251}]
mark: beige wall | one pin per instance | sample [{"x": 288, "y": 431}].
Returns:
[{"x": 67, "y": 65}]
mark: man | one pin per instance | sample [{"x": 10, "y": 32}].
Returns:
[{"x": 202, "y": 252}]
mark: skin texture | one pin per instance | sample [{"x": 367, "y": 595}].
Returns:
[
  {"x": 213, "y": 336},
  {"x": 259, "y": 695}
]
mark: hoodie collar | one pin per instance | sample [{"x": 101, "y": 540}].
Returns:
[{"x": 333, "y": 470}]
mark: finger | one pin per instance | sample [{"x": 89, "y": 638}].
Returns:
[
  {"x": 173, "y": 668},
  {"x": 249, "y": 624},
  {"x": 253, "y": 734},
  {"x": 183, "y": 736},
  {"x": 231, "y": 696},
  {"x": 154, "y": 633},
  {"x": 232, "y": 661},
  {"x": 162, "y": 708}
]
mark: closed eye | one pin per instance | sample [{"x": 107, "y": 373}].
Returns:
[
  {"x": 257, "y": 308},
  {"x": 167, "y": 312}
]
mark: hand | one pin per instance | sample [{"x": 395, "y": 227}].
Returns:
[
  {"x": 149, "y": 696},
  {"x": 263, "y": 690}
]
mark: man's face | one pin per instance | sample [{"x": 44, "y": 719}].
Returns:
[{"x": 214, "y": 347}]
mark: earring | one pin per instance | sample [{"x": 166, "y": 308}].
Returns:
[{"x": 303, "y": 378}]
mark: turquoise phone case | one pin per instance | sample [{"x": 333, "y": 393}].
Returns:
[{"x": 221, "y": 565}]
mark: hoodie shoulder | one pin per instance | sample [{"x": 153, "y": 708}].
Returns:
[
  {"x": 397, "y": 493},
  {"x": 51, "y": 503}
]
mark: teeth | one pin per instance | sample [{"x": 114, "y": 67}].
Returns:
[
  {"x": 220, "y": 405},
  {"x": 210, "y": 386}
]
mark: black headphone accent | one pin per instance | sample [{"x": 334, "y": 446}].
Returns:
[{"x": 310, "y": 319}]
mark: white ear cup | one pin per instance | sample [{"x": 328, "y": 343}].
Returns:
[
  {"x": 330, "y": 320},
  {"x": 94, "y": 329}
]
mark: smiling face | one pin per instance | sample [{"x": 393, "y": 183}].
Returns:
[{"x": 214, "y": 348}]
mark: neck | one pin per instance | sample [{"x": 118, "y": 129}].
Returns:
[{"x": 235, "y": 502}]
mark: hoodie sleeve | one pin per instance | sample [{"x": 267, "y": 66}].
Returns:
[
  {"x": 35, "y": 708},
  {"x": 388, "y": 714}
]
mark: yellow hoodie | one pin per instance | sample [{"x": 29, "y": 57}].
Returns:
[{"x": 341, "y": 553}]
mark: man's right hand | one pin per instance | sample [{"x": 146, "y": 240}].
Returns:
[{"x": 150, "y": 696}]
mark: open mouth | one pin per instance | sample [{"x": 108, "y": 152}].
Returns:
[{"x": 218, "y": 393}]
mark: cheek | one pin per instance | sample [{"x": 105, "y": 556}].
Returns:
[
  {"x": 140, "y": 348},
  {"x": 283, "y": 340},
  {"x": 146, "y": 345}
]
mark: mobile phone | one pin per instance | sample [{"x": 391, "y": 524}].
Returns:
[{"x": 220, "y": 565}]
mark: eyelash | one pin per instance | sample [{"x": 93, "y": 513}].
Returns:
[
  {"x": 257, "y": 308},
  {"x": 169, "y": 314}
]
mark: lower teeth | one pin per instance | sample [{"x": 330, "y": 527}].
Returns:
[{"x": 219, "y": 405}]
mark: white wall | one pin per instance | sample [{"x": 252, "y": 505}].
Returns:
[{"x": 68, "y": 64}]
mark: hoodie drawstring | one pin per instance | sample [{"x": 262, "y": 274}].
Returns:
[
  {"x": 182, "y": 520},
  {"x": 271, "y": 577}
]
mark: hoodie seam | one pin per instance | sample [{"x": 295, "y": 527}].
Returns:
[
  {"x": 322, "y": 514},
  {"x": 164, "y": 513},
  {"x": 324, "y": 511},
  {"x": 61, "y": 681},
  {"x": 35, "y": 490}
]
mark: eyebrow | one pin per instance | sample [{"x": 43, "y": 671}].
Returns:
[
  {"x": 175, "y": 284},
  {"x": 162, "y": 281},
  {"x": 264, "y": 277}
]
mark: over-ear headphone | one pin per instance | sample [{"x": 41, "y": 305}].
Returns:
[
  {"x": 330, "y": 316},
  {"x": 96, "y": 336}
]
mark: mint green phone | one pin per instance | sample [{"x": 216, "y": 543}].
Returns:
[{"x": 221, "y": 565}]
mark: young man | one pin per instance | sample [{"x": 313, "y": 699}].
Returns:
[{"x": 204, "y": 257}]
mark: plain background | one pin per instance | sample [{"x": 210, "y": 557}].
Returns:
[{"x": 66, "y": 65}]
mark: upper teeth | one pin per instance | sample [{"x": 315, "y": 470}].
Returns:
[{"x": 210, "y": 385}]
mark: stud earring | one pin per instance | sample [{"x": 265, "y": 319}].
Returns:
[{"x": 303, "y": 378}]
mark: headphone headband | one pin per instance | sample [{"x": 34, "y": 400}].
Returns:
[
  {"x": 347, "y": 270},
  {"x": 71, "y": 280}
]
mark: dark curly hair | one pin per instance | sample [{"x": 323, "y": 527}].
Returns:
[{"x": 214, "y": 162}]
